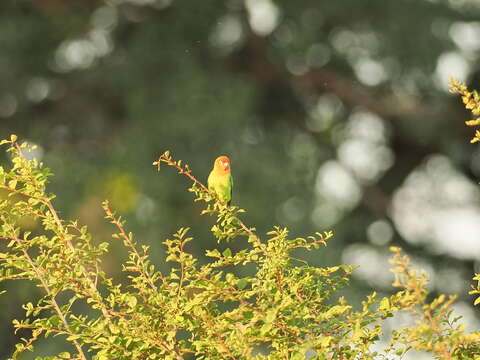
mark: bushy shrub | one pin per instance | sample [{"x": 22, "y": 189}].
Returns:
[{"x": 287, "y": 309}]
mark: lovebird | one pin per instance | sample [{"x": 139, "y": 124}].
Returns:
[{"x": 220, "y": 180}]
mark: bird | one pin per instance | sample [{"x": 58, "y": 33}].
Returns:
[{"x": 220, "y": 180}]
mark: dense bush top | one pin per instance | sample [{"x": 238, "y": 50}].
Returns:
[{"x": 285, "y": 310}]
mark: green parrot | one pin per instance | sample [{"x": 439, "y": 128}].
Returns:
[{"x": 220, "y": 180}]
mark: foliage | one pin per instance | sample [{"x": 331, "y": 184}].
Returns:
[
  {"x": 285, "y": 309},
  {"x": 471, "y": 100},
  {"x": 100, "y": 84}
]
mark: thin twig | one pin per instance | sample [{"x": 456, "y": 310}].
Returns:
[
  {"x": 127, "y": 238},
  {"x": 187, "y": 172}
]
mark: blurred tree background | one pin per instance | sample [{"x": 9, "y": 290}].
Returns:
[{"x": 336, "y": 115}]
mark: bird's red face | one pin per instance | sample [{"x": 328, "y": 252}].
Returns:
[{"x": 222, "y": 163}]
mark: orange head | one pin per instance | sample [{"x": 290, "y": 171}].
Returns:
[{"x": 222, "y": 164}]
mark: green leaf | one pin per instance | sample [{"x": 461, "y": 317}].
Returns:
[
  {"x": 271, "y": 315},
  {"x": 248, "y": 315},
  {"x": 131, "y": 301},
  {"x": 384, "y": 304},
  {"x": 54, "y": 320},
  {"x": 297, "y": 355},
  {"x": 242, "y": 283},
  {"x": 114, "y": 329},
  {"x": 12, "y": 184},
  {"x": 265, "y": 328},
  {"x": 213, "y": 253},
  {"x": 229, "y": 277},
  {"x": 325, "y": 341}
]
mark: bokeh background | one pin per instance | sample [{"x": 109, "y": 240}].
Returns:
[{"x": 336, "y": 115}]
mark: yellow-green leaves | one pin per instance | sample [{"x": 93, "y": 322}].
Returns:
[
  {"x": 13, "y": 139},
  {"x": 335, "y": 311},
  {"x": 471, "y": 101},
  {"x": 206, "y": 308},
  {"x": 476, "y": 290}
]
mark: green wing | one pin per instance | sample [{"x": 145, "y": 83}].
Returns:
[
  {"x": 231, "y": 190},
  {"x": 210, "y": 181}
]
